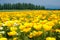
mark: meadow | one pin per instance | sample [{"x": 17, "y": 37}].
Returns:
[{"x": 30, "y": 25}]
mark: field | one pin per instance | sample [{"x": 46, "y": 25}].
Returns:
[{"x": 30, "y": 25}]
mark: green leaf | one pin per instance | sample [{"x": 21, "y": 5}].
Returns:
[{"x": 26, "y": 38}]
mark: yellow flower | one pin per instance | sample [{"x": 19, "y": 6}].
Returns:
[
  {"x": 49, "y": 18},
  {"x": 3, "y": 38},
  {"x": 39, "y": 33},
  {"x": 27, "y": 20},
  {"x": 13, "y": 28},
  {"x": 28, "y": 24},
  {"x": 37, "y": 26},
  {"x": 21, "y": 27},
  {"x": 35, "y": 33},
  {"x": 43, "y": 17},
  {"x": 50, "y": 38},
  {"x": 9, "y": 23},
  {"x": 57, "y": 30},
  {"x": 50, "y": 23},
  {"x": 47, "y": 27},
  {"x": 36, "y": 20},
  {"x": 0, "y": 35},
  {"x": 14, "y": 38},
  {"x": 30, "y": 35},
  {"x": 26, "y": 30},
  {"x": 43, "y": 21},
  {"x": 5, "y": 19},
  {"x": 12, "y": 33},
  {"x": 1, "y": 24},
  {"x": 59, "y": 22}
]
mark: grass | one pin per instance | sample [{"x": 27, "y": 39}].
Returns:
[
  {"x": 22, "y": 10},
  {"x": 12, "y": 10}
]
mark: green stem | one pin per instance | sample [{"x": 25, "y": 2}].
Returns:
[
  {"x": 44, "y": 35},
  {"x": 50, "y": 33}
]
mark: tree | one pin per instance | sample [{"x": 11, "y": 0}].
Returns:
[
  {"x": 21, "y": 6},
  {"x": 0, "y": 6}
]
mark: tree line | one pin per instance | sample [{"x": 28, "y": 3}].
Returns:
[{"x": 20, "y": 6}]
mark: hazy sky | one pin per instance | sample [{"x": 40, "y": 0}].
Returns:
[{"x": 46, "y": 3}]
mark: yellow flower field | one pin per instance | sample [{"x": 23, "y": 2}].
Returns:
[{"x": 30, "y": 25}]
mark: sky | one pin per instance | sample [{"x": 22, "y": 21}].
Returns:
[{"x": 53, "y": 4}]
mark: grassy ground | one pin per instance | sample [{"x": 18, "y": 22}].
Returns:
[
  {"x": 21, "y": 10},
  {"x": 12, "y": 10}
]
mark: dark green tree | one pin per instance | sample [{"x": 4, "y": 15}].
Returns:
[
  {"x": 21, "y": 6},
  {"x": 0, "y": 6}
]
